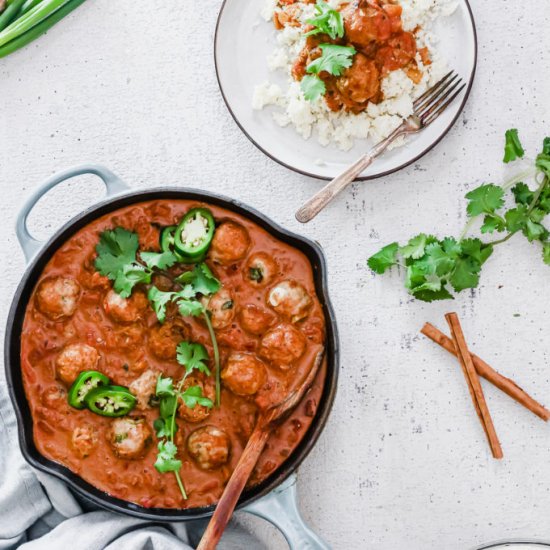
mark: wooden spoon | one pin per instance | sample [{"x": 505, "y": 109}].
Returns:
[{"x": 273, "y": 416}]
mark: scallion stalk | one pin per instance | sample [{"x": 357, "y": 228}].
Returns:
[
  {"x": 39, "y": 29},
  {"x": 27, "y": 6},
  {"x": 9, "y": 14},
  {"x": 30, "y": 19}
]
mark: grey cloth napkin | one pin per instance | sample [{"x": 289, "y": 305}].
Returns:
[{"x": 38, "y": 512}]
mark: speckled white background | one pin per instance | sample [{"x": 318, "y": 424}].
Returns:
[{"x": 402, "y": 463}]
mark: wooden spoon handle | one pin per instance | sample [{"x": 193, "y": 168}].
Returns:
[{"x": 234, "y": 487}]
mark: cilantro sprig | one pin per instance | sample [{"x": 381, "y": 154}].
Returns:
[
  {"x": 333, "y": 60},
  {"x": 435, "y": 266},
  {"x": 117, "y": 259},
  {"x": 191, "y": 356},
  {"x": 194, "y": 284},
  {"x": 326, "y": 21}
]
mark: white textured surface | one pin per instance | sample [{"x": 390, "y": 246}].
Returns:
[{"x": 402, "y": 463}]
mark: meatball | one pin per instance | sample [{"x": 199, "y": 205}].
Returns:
[
  {"x": 164, "y": 339},
  {"x": 221, "y": 308},
  {"x": 57, "y": 297},
  {"x": 359, "y": 83},
  {"x": 84, "y": 440},
  {"x": 290, "y": 299},
  {"x": 230, "y": 243},
  {"x": 244, "y": 373},
  {"x": 129, "y": 437},
  {"x": 282, "y": 346},
  {"x": 125, "y": 310},
  {"x": 144, "y": 388},
  {"x": 255, "y": 319},
  {"x": 260, "y": 269},
  {"x": 209, "y": 447},
  {"x": 73, "y": 359},
  {"x": 198, "y": 412},
  {"x": 54, "y": 397},
  {"x": 366, "y": 22}
]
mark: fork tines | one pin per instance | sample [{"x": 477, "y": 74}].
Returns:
[{"x": 435, "y": 100}]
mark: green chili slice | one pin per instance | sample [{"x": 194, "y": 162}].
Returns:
[
  {"x": 194, "y": 233},
  {"x": 111, "y": 401},
  {"x": 86, "y": 381}
]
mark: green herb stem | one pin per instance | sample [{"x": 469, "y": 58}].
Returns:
[
  {"x": 180, "y": 485},
  {"x": 176, "y": 473},
  {"x": 216, "y": 355}
]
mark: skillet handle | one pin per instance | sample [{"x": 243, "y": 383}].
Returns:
[
  {"x": 29, "y": 244},
  {"x": 280, "y": 507}
]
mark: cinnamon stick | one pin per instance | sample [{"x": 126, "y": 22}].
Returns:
[
  {"x": 508, "y": 386},
  {"x": 474, "y": 385}
]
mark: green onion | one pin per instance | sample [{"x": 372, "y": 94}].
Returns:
[
  {"x": 9, "y": 13},
  {"x": 28, "y": 20},
  {"x": 33, "y": 32},
  {"x": 28, "y": 5}
]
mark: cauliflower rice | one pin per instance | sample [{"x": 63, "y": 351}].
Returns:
[{"x": 342, "y": 128}]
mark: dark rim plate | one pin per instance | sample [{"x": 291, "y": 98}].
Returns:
[{"x": 360, "y": 178}]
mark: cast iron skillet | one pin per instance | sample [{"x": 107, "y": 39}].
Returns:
[{"x": 38, "y": 254}]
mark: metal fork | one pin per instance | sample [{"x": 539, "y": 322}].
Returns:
[{"x": 426, "y": 109}]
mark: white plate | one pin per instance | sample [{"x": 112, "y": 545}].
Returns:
[{"x": 242, "y": 44}]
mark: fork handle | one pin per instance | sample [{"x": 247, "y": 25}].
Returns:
[{"x": 315, "y": 204}]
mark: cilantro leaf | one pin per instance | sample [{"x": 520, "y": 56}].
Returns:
[
  {"x": 166, "y": 457},
  {"x": 162, "y": 260},
  {"x": 534, "y": 231},
  {"x": 516, "y": 218},
  {"x": 201, "y": 280},
  {"x": 192, "y": 356},
  {"x": 436, "y": 261},
  {"x": 451, "y": 247},
  {"x": 130, "y": 276},
  {"x": 190, "y": 308},
  {"x": 477, "y": 250},
  {"x": 165, "y": 427},
  {"x": 415, "y": 276},
  {"x": 159, "y": 300},
  {"x": 193, "y": 396},
  {"x": 522, "y": 194},
  {"x": 334, "y": 59},
  {"x": 465, "y": 274},
  {"x": 433, "y": 295},
  {"x": 546, "y": 253},
  {"x": 327, "y": 21},
  {"x": 115, "y": 250},
  {"x": 165, "y": 387},
  {"x": 312, "y": 87},
  {"x": 512, "y": 148},
  {"x": 485, "y": 199},
  {"x": 415, "y": 247},
  {"x": 546, "y": 146},
  {"x": 384, "y": 258},
  {"x": 492, "y": 223}
]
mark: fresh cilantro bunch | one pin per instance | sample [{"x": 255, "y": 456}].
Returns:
[
  {"x": 192, "y": 356},
  {"x": 326, "y": 21},
  {"x": 117, "y": 259},
  {"x": 433, "y": 266}
]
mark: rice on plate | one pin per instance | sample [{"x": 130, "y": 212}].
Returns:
[{"x": 398, "y": 88}]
